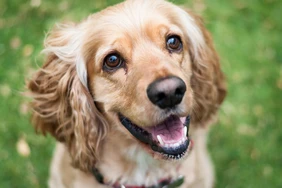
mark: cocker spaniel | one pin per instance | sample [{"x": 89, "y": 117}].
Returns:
[{"x": 120, "y": 90}]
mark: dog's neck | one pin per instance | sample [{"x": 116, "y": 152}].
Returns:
[
  {"x": 161, "y": 183},
  {"x": 132, "y": 165}
]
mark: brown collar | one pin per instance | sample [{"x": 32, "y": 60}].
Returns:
[{"x": 164, "y": 183}]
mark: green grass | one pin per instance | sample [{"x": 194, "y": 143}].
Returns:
[{"x": 245, "y": 144}]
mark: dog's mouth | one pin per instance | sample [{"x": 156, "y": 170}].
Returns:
[{"x": 169, "y": 138}]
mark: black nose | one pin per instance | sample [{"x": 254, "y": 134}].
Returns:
[{"x": 166, "y": 92}]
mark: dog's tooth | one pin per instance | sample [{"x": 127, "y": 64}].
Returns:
[
  {"x": 160, "y": 140},
  {"x": 185, "y": 131}
]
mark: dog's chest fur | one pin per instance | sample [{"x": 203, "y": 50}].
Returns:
[{"x": 135, "y": 166}]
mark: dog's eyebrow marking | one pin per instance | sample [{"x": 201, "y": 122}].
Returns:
[
  {"x": 193, "y": 31},
  {"x": 102, "y": 53}
]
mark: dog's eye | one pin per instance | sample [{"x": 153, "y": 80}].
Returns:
[
  {"x": 112, "y": 62},
  {"x": 174, "y": 44}
]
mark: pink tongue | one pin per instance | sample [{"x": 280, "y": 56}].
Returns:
[{"x": 171, "y": 130}]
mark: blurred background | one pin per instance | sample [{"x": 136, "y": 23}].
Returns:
[{"x": 245, "y": 144}]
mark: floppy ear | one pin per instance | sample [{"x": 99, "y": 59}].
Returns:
[
  {"x": 207, "y": 81},
  {"x": 62, "y": 104}
]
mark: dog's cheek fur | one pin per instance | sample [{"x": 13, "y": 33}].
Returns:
[
  {"x": 63, "y": 107},
  {"x": 208, "y": 82}
]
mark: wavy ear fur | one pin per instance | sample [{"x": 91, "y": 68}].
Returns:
[
  {"x": 207, "y": 80},
  {"x": 62, "y": 104}
]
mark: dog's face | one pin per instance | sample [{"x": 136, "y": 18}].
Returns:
[
  {"x": 139, "y": 73},
  {"x": 145, "y": 66}
]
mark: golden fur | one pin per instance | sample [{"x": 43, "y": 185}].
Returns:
[{"x": 76, "y": 101}]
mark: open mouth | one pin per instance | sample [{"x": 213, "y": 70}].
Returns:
[{"x": 169, "y": 138}]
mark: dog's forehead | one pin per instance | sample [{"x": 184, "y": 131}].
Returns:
[
  {"x": 134, "y": 17},
  {"x": 132, "y": 22},
  {"x": 126, "y": 23},
  {"x": 129, "y": 22}
]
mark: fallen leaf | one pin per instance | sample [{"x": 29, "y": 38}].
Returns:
[
  {"x": 24, "y": 108},
  {"x": 15, "y": 42},
  {"x": 246, "y": 130},
  {"x": 5, "y": 90},
  {"x": 35, "y": 3},
  {"x": 27, "y": 50},
  {"x": 279, "y": 83},
  {"x": 267, "y": 170},
  {"x": 199, "y": 6},
  {"x": 2, "y": 23},
  {"x": 23, "y": 148},
  {"x": 64, "y": 5}
]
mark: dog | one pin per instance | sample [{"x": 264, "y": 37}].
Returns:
[{"x": 129, "y": 94}]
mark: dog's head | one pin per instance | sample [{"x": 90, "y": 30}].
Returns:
[{"x": 140, "y": 68}]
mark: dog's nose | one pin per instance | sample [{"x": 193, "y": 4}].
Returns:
[{"x": 166, "y": 92}]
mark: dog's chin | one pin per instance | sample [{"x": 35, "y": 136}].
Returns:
[{"x": 167, "y": 140}]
